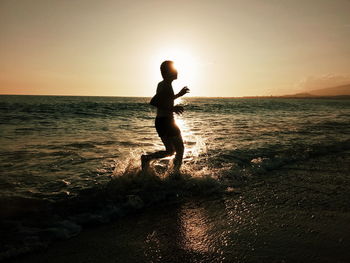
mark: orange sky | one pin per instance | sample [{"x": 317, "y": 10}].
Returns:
[{"x": 222, "y": 48}]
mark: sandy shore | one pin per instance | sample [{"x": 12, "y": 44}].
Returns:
[{"x": 300, "y": 213}]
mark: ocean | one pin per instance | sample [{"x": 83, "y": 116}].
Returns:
[{"x": 57, "y": 148}]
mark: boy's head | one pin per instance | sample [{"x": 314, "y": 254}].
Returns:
[{"x": 168, "y": 70}]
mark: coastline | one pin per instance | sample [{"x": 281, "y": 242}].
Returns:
[{"x": 298, "y": 213}]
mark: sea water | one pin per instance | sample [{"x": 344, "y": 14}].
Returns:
[
  {"x": 71, "y": 162},
  {"x": 53, "y": 146}
]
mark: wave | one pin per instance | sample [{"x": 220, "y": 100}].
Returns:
[{"x": 254, "y": 162}]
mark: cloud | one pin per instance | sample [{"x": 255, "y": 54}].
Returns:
[{"x": 324, "y": 81}]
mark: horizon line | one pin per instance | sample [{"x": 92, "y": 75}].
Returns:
[
  {"x": 210, "y": 97},
  {"x": 123, "y": 96}
]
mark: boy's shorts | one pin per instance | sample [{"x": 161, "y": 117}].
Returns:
[{"x": 166, "y": 127}]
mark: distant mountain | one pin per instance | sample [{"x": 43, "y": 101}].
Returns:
[
  {"x": 332, "y": 91},
  {"x": 299, "y": 95},
  {"x": 343, "y": 90}
]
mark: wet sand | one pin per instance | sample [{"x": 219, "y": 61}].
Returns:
[{"x": 300, "y": 213}]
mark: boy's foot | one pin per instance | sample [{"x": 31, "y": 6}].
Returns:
[
  {"x": 144, "y": 162},
  {"x": 175, "y": 173},
  {"x": 176, "y": 167}
]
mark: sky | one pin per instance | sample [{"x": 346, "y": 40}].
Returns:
[{"x": 221, "y": 48}]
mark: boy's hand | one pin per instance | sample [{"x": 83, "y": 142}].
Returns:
[
  {"x": 178, "y": 109},
  {"x": 183, "y": 91}
]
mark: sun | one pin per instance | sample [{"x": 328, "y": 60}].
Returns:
[{"x": 185, "y": 63}]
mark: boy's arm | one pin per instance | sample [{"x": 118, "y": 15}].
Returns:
[
  {"x": 164, "y": 100},
  {"x": 182, "y": 92},
  {"x": 155, "y": 101},
  {"x": 159, "y": 102}
]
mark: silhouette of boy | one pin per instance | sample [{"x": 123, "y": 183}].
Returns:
[{"x": 165, "y": 124}]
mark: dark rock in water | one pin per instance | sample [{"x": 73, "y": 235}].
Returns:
[
  {"x": 61, "y": 231},
  {"x": 97, "y": 217},
  {"x": 87, "y": 219},
  {"x": 17, "y": 206},
  {"x": 112, "y": 212},
  {"x": 134, "y": 201}
]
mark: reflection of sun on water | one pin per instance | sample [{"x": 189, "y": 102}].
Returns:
[
  {"x": 180, "y": 101},
  {"x": 195, "y": 230},
  {"x": 194, "y": 144}
]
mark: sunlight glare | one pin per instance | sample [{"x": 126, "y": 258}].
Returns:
[{"x": 185, "y": 63}]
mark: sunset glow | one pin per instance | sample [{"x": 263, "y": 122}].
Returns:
[{"x": 226, "y": 48}]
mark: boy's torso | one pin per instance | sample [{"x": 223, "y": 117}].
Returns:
[{"x": 166, "y": 94}]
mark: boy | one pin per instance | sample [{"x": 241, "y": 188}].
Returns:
[{"x": 166, "y": 127}]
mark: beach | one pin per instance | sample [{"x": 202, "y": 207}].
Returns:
[{"x": 299, "y": 213}]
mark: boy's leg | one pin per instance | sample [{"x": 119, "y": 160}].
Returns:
[
  {"x": 179, "y": 149},
  {"x": 169, "y": 150}
]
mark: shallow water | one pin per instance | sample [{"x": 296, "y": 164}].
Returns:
[{"x": 52, "y": 147}]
